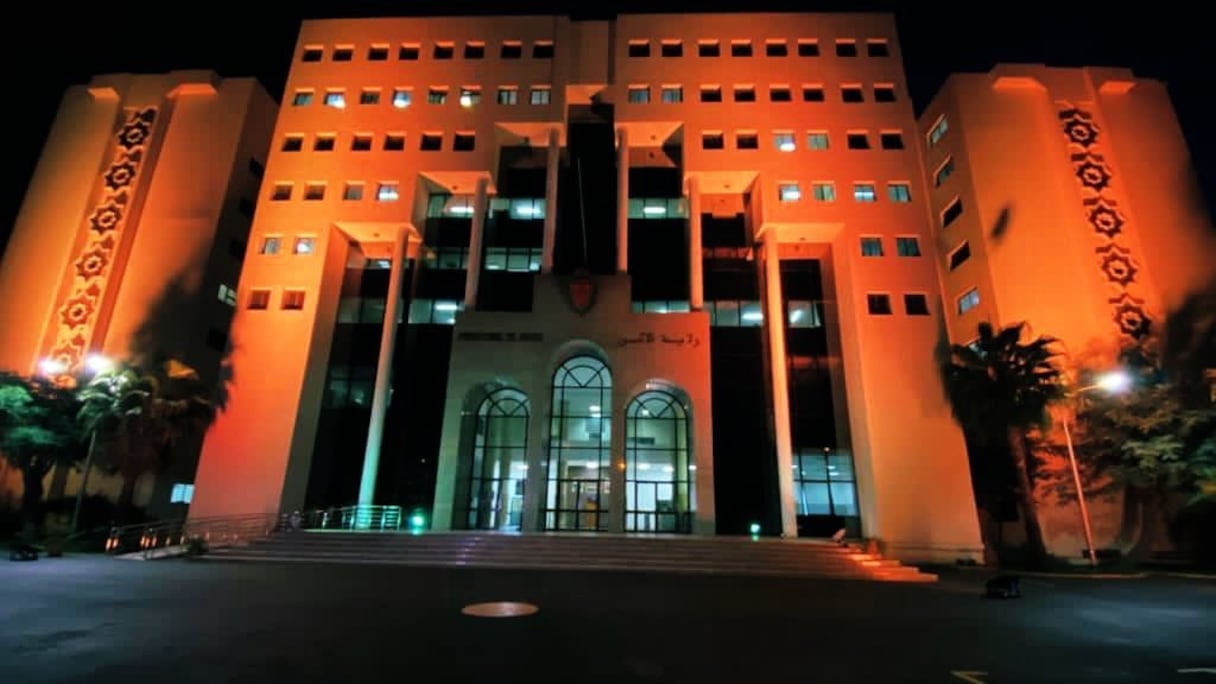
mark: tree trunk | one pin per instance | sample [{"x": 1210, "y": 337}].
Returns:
[
  {"x": 1037, "y": 551},
  {"x": 59, "y": 482},
  {"x": 126, "y": 498},
  {"x": 31, "y": 499},
  {"x": 1152, "y": 527}
]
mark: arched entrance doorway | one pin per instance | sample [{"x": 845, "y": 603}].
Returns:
[
  {"x": 580, "y": 439},
  {"x": 498, "y": 462},
  {"x": 658, "y": 465}
]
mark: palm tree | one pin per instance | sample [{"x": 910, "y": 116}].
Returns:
[
  {"x": 36, "y": 434},
  {"x": 141, "y": 413},
  {"x": 999, "y": 388}
]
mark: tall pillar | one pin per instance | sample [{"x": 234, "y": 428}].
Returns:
[
  {"x": 696, "y": 277},
  {"x": 472, "y": 273},
  {"x": 552, "y": 163},
  {"x": 774, "y": 314},
  {"x": 622, "y": 201},
  {"x": 384, "y": 371}
]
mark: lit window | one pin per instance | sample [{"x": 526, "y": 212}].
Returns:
[
  {"x": 540, "y": 95},
  {"x": 304, "y": 245},
  {"x": 804, "y": 313},
  {"x": 789, "y": 192},
  {"x": 335, "y": 99},
  {"x": 969, "y": 300},
  {"x": 470, "y": 96},
  {"x": 639, "y": 94},
  {"x": 302, "y": 98},
  {"x": 943, "y": 172},
  {"x": 270, "y": 245},
  {"x": 907, "y": 246},
  {"x": 878, "y": 304},
  {"x": 899, "y": 192},
  {"x": 817, "y": 140},
  {"x": 386, "y": 192},
  {"x": 784, "y": 142},
  {"x": 864, "y": 192},
  {"x": 182, "y": 493},
  {"x": 402, "y": 97},
  {"x": 871, "y": 247},
  {"x": 227, "y": 295},
  {"x": 437, "y": 96},
  {"x": 939, "y": 129},
  {"x": 672, "y": 94},
  {"x": 823, "y": 192},
  {"x": 508, "y": 95},
  {"x": 353, "y": 191}
]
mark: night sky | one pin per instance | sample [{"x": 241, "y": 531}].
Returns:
[{"x": 51, "y": 46}]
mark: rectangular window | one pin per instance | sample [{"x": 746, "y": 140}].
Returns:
[
  {"x": 789, "y": 192},
  {"x": 740, "y": 48},
  {"x": 324, "y": 143},
  {"x": 270, "y": 245},
  {"x": 402, "y": 97},
  {"x": 377, "y": 53},
  {"x": 846, "y": 48},
  {"x": 302, "y": 98},
  {"x": 871, "y": 247},
  {"x": 352, "y": 192},
  {"x": 812, "y": 93},
  {"x": 747, "y": 140},
  {"x": 639, "y": 94},
  {"x": 671, "y": 48},
  {"x": 369, "y": 96},
  {"x": 857, "y": 141},
  {"x": 943, "y": 172},
  {"x": 864, "y": 192},
  {"x": 281, "y": 192},
  {"x": 394, "y": 142},
  {"x": 386, "y": 192},
  {"x": 314, "y": 192},
  {"x": 361, "y": 142},
  {"x": 304, "y": 245},
  {"x": 808, "y": 47},
  {"x": 227, "y": 295},
  {"x": 474, "y": 50},
  {"x": 542, "y": 49},
  {"x": 711, "y": 93},
  {"x": 335, "y": 99},
  {"x": 916, "y": 304},
  {"x": 776, "y": 48},
  {"x": 672, "y": 94},
  {"x": 877, "y": 48},
  {"x": 443, "y": 51},
  {"x": 182, "y": 493},
  {"x": 804, "y": 313},
  {"x": 784, "y": 141},
  {"x": 639, "y": 48},
  {"x": 952, "y": 211},
  {"x": 780, "y": 93},
  {"x": 508, "y": 95},
  {"x": 431, "y": 142},
  {"x": 823, "y": 192},
  {"x": 437, "y": 95},
  {"x": 709, "y": 48},
  {"x": 463, "y": 142},
  {"x": 312, "y": 53},
  {"x": 712, "y": 140},
  {"x": 960, "y": 255},
  {"x": 817, "y": 140},
  {"x": 408, "y": 52},
  {"x": 968, "y": 301},
  {"x": 258, "y": 299},
  {"x": 343, "y": 53},
  {"x": 892, "y": 140},
  {"x": 511, "y": 49},
  {"x": 745, "y": 94},
  {"x": 851, "y": 94},
  {"x": 884, "y": 93},
  {"x": 470, "y": 96},
  {"x": 293, "y": 300},
  {"x": 540, "y": 95},
  {"x": 899, "y": 192},
  {"x": 938, "y": 130},
  {"x": 293, "y": 143},
  {"x": 907, "y": 246},
  {"x": 878, "y": 304}
]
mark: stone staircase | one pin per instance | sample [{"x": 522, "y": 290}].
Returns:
[{"x": 667, "y": 554}]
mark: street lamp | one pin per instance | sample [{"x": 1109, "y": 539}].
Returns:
[
  {"x": 1113, "y": 382},
  {"x": 95, "y": 363}
]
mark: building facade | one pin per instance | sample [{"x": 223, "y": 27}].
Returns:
[
  {"x": 660, "y": 273},
  {"x": 133, "y": 229},
  {"x": 1065, "y": 198}
]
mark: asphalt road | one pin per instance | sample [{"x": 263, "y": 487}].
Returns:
[{"x": 103, "y": 620}]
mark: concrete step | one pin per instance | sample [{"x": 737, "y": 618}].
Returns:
[{"x": 668, "y": 554}]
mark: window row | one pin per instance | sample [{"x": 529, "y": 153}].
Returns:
[
  {"x": 786, "y": 140},
  {"x": 915, "y": 304},
  {"x": 431, "y": 141},
  {"x": 301, "y": 245},
  {"x": 441, "y": 49},
  {"x": 316, "y": 190},
  {"x": 800, "y": 313},
  {"x": 290, "y": 300},
  {"x": 825, "y": 191},
  {"x": 510, "y": 259},
  {"x": 905, "y": 246},
  {"x": 402, "y": 97},
  {"x": 851, "y": 93},
  {"x": 462, "y": 206},
  {"x": 773, "y": 47}
]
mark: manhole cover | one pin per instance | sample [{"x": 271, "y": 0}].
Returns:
[{"x": 499, "y": 609}]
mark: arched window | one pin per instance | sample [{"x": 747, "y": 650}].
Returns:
[
  {"x": 659, "y": 470},
  {"x": 498, "y": 465},
  {"x": 580, "y": 437}
]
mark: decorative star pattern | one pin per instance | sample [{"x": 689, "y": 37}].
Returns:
[
  {"x": 1117, "y": 265},
  {"x": 1130, "y": 317},
  {"x": 104, "y": 223},
  {"x": 1104, "y": 217},
  {"x": 1079, "y": 127},
  {"x": 1092, "y": 171}
]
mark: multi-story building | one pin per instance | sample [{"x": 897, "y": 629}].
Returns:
[
  {"x": 1065, "y": 198},
  {"x": 133, "y": 229},
  {"x": 656, "y": 273}
]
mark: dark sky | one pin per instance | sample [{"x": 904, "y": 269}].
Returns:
[{"x": 51, "y": 46}]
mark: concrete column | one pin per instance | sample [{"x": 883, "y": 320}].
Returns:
[
  {"x": 774, "y": 314},
  {"x": 384, "y": 371},
  {"x": 616, "y": 500},
  {"x": 622, "y": 201},
  {"x": 550, "y": 235},
  {"x": 539, "y": 398},
  {"x": 696, "y": 277},
  {"x": 472, "y": 273}
]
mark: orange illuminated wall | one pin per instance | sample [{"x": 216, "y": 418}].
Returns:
[{"x": 132, "y": 221}]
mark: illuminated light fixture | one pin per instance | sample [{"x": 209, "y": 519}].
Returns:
[
  {"x": 52, "y": 366},
  {"x": 594, "y": 408},
  {"x": 754, "y": 528},
  {"x": 466, "y": 100},
  {"x": 401, "y": 100},
  {"x": 692, "y": 466},
  {"x": 668, "y": 469},
  {"x": 752, "y": 316},
  {"x": 98, "y": 363},
  {"x": 462, "y": 210},
  {"x": 796, "y": 315},
  {"x": 643, "y": 466},
  {"x": 654, "y": 211},
  {"x": 645, "y": 412},
  {"x": 445, "y": 306},
  {"x": 787, "y": 146},
  {"x": 1114, "y": 382},
  {"x": 791, "y": 194},
  {"x": 527, "y": 210}
]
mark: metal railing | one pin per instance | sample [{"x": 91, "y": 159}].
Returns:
[{"x": 371, "y": 517}]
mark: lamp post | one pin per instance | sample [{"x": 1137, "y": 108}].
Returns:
[
  {"x": 1114, "y": 382},
  {"x": 96, "y": 363}
]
